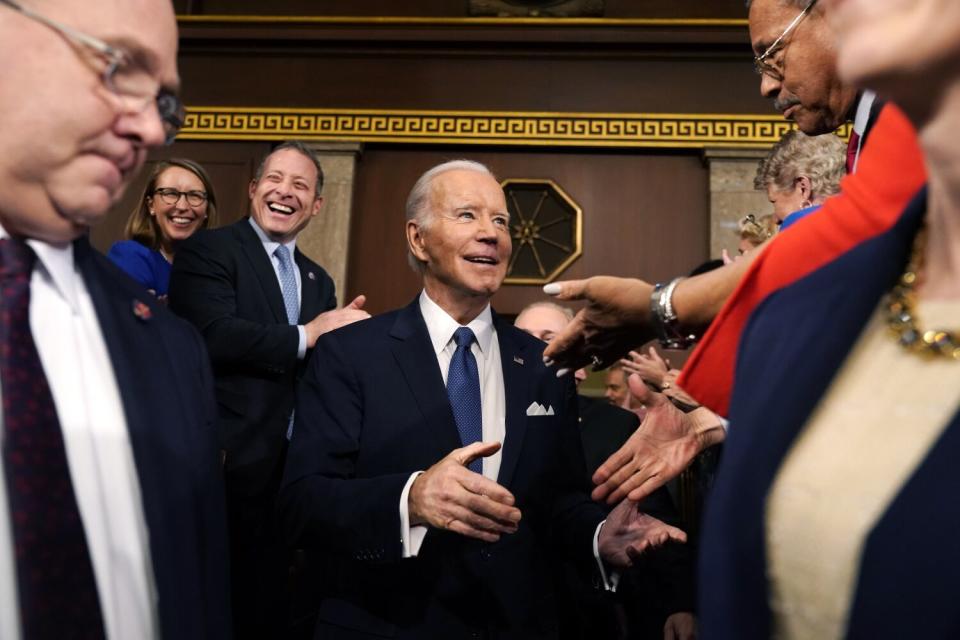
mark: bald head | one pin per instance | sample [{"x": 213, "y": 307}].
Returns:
[
  {"x": 95, "y": 134},
  {"x": 543, "y": 320}
]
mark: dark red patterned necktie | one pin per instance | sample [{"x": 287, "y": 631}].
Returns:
[
  {"x": 853, "y": 148},
  {"x": 56, "y": 587}
]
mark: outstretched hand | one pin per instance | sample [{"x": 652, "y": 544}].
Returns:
[
  {"x": 614, "y": 320},
  {"x": 649, "y": 366},
  {"x": 627, "y": 533},
  {"x": 666, "y": 442},
  {"x": 450, "y": 496},
  {"x": 330, "y": 320}
]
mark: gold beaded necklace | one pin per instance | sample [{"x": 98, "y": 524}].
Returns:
[{"x": 902, "y": 315}]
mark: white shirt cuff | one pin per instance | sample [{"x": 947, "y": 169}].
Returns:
[
  {"x": 610, "y": 578},
  {"x": 412, "y": 537},
  {"x": 302, "y": 345}
]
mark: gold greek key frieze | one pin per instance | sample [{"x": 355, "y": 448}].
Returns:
[{"x": 481, "y": 127}]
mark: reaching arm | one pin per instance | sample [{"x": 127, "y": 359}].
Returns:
[{"x": 617, "y": 316}]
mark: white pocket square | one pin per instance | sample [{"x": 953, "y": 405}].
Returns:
[{"x": 537, "y": 409}]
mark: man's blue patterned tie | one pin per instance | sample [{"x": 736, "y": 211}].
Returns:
[
  {"x": 288, "y": 284},
  {"x": 288, "y": 287},
  {"x": 463, "y": 389}
]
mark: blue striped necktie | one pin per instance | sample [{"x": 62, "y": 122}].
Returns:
[{"x": 463, "y": 389}]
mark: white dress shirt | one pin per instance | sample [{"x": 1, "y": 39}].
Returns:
[
  {"x": 860, "y": 120},
  {"x": 270, "y": 246},
  {"x": 78, "y": 368},
  {"x": 486, "y": 350}
]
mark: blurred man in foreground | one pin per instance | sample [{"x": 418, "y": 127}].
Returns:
[{"x": 111, "y": 505}]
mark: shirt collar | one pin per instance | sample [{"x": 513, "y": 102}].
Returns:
[
  {"x": 862, "y": 117},
  {"x": 441, "y": 326},
  {"x": 56, "y": 265},
  {"x": 271, "y": 245}
]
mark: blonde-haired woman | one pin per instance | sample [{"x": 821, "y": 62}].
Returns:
[
  {"x": 177, "y": 202},
  {"x": 801, "y": 172}
]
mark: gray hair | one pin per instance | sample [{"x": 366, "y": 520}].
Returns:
[
  {"x": 822, "y": 159},
  {"x": 547, "y": 304},
  {"x": 299, "y": 147},
  {"x": 417, "y": 207}
]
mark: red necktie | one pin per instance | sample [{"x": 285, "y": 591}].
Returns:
[
  {"x": 55, "y": 582},
  {"x": 852, "y": 148}
]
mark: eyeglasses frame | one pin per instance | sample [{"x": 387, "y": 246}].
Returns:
[
  {"x": 172, "y": 117},
  {"x": 184, "y": 194},
  {"x": 760, "y": 64}
]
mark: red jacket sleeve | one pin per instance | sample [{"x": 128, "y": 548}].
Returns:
[{"x": 890, "y": 173}]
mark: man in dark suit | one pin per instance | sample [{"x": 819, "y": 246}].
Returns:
[
  {"x": 435, "y": 461},
  {"x": 111, "y": 504},
  {"x": 260, "y": 304}
]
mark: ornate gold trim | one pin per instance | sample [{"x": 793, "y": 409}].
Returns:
[
  {"x": 545, "y": 129},
  {"x": 423, "y": 21},
  {"x": 577, "y": 232}
]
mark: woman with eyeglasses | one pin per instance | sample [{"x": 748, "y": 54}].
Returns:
[{"x": 177, "y": 201}]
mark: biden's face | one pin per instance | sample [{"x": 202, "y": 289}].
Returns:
[{"x": 464, "y": 240}]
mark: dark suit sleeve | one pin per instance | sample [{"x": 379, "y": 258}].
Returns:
[
  {"x": 203, "y": 290},
  {"x": 212, "y": 533},
  {"x": 323, "y": 502},
  {"x": 575, "y": 515}
]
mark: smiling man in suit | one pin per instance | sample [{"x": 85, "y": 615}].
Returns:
[
  {"x": 435, "y": 461},
  {"x": 111, "y": 504},
  {"x": 260, "y": 304}
]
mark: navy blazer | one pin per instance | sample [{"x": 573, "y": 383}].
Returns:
[
  {"x": 792, "y": 348},
  {"x": 371, "y": 410},
  {"x": 166, "y": 389},
  {"x": 224, "y": 283}
]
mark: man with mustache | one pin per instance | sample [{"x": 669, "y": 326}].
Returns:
[
  {"x": 111, "y": 504},
  {"x": 260, "y": 304},
  {"x": 435, "y": 462},
  {"x": 796, "y": 60}
]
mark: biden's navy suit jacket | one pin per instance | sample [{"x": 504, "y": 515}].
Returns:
[{"x": 371, "y": 410}]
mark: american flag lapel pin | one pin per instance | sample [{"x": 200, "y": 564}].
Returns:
[
  {"x": 142, "y": 311},
  {"x": 518, "y": 359}
]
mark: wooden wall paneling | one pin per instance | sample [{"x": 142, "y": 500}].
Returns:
[
  {"x": 644, "y": 214},
  {"x": 461, "y": 82},
  {"x": 230, "y": 164},
  {"x": 449, "y": 8}
]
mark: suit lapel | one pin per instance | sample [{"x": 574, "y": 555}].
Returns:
[
  {"x": 517, "y": 378},
  {"x": 309, "y": 289},
  {"x": 262, "y": 267},
  {"x": 139, "y": 359},
  {"x": 414, "y": 354}
]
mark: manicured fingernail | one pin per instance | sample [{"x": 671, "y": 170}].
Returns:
[
  {"x": 547, "y": 361},
  {"x": 551, "y": 289},
  {"x": 562, "y": 372}
]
